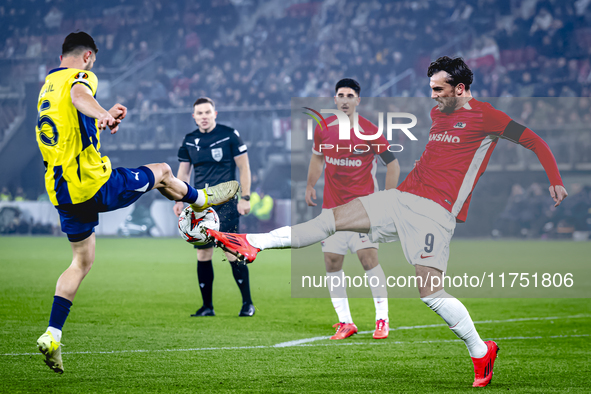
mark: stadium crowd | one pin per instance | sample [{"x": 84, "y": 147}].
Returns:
[
  {"x": 529, "y": 215},
  {"x": 261, "y": 53}
]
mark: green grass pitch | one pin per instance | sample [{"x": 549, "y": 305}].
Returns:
[{"x": 130, "y": 331}]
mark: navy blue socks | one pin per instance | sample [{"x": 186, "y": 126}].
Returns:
[
  {"x": 191, "y": 195},
  {"x": 59, "y": 312}
]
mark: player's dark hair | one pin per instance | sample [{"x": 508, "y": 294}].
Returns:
[
  {"x": 204, "y": 100},
  {"x": 458, "y": 70},
  {"x": 78, "y": 41},
  {"x": 348, "y": 83}
]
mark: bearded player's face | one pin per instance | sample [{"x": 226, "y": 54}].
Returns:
[{"x": 442, "y": 92}]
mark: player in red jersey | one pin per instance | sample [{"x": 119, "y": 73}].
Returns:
[
  {"x": 350, "y": 173},
  {"x": 436, "y": 194}
]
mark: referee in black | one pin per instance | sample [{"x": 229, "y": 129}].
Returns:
[{"x": 214, "y": 151}]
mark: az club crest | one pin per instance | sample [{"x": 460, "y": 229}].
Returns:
[
  {"x": 217, "y": 154},
  {"x": 459, "y": 125}
]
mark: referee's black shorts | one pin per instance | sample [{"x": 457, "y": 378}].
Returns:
[{"x": 229, "y": 219}]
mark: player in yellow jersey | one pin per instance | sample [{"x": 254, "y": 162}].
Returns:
[{"x": 81, "y": 183}]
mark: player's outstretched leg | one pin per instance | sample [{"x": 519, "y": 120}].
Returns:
[
  {"x": 175, "y": 189},
  {"x": 217, "y": 194},
  {"x": 455, "y": 314},
  {"x": 349, "y": 217},
  {"x": 67, "y": 285}
]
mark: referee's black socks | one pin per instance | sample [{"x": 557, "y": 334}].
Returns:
[
  {"x": 205, "y": 277},
  {"x": 240, "y": 272}
]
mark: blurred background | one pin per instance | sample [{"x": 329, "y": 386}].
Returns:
[{"x": 252, "y": 57}]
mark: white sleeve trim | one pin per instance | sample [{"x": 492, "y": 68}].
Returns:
[
  {"x": 242, "y": 148},
  {"x": 317, "y": 153},
  {"x": 84, "y": 81}
]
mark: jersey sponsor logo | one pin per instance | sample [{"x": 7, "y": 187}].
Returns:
[
  {"x": 217, "y": 154},
  {"x": 460, "y": 125},
  {"x": 444, "y": 137},
  {"x": 343, "y": 162},
  {"x": 425, "y": 257}
]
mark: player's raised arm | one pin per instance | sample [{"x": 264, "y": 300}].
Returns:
[
  {"x": 535, "y": 143},
  {"x": 501, "y": 124},
  {"x": 314, "y": 173},
  {"x": 84, "y": 102}
]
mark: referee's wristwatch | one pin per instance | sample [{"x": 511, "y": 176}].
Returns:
[{"x": 246, "y": 198}]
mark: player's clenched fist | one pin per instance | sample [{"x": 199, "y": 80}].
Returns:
[
  {"x": 107, "y": 120},
  {"x": 118, "y": 111}
]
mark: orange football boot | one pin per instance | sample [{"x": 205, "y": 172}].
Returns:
[
  {"x": 236, "y": 244},
  {"x": 382, "y": 329},
  {"x": 344, "y": 330},
  {"x": 483, "y": 367}
]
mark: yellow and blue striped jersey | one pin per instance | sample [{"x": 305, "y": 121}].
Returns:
[{"x": 69, "y": 140}]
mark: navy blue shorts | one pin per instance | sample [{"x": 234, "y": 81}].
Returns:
[
  {"x": 229, "y": 219},
  {"x": 122, "y": 189}
]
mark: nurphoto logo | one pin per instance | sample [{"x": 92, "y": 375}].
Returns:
[{"x": 345, "y": 129}]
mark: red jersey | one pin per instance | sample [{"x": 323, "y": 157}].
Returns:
[
  {"x": 351, "y": 165},
  {"x": 458, "y": 151}
]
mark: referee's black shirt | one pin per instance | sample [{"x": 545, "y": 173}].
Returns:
[{"x": 212, "y": 154}]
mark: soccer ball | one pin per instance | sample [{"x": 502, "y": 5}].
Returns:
[{"x": 193, "y": 225}]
